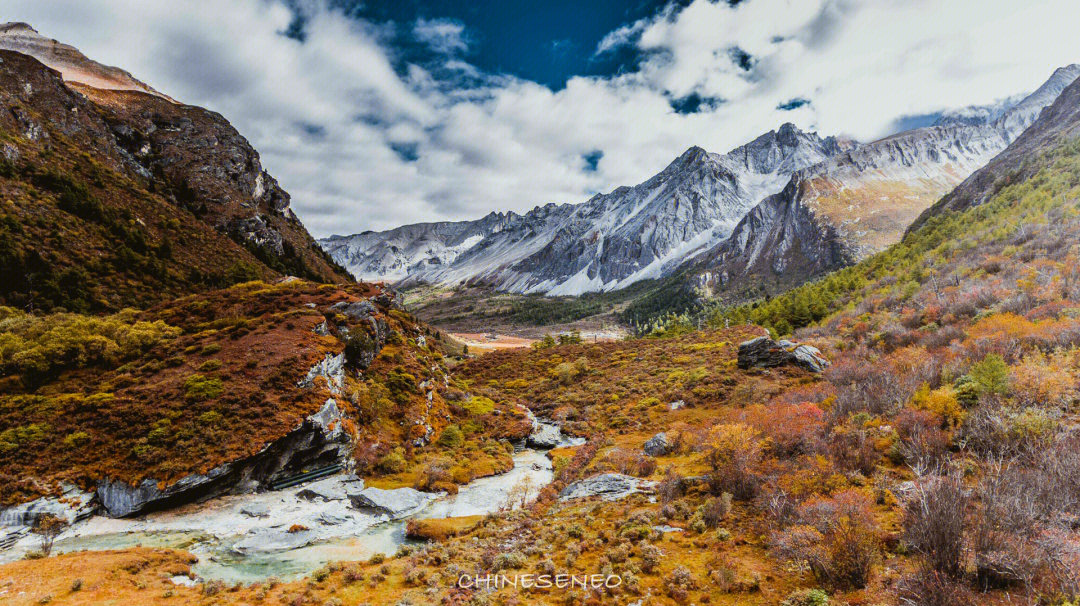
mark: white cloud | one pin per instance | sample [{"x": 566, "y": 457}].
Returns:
[
  {"x": 512, "y": 144},
  {"x": 442, "y": 35}
]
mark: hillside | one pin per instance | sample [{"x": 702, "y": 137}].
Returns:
[
  {"x": 222, "y": 391},
  {"x": 858, "y": 203},
  {"x": 115, "y": 198}
]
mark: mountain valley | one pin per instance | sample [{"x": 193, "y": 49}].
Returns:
[{"x": 807, "y": 372}]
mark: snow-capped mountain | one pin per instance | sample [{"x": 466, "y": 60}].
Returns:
[
  {"x": 857, "y": 203},
  {"x": 607, "y": 242},
  {"x": 774, "y": 212}
]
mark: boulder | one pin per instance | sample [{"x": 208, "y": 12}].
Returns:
[
  {"x": 544, "y": 436},
  {"x": 255, "y": 510},
  {"x": 356, "y": 310},
  {"x": 270, "y": 540},
  {"x": 807, "y": 356},
  {"x": 607, "y": 486},
  {"x": 657, "y": 446},
  {"x": 333, "y": 488},
  {"x": 763, "y": 352},
  {"x": 395, "y": 502}
]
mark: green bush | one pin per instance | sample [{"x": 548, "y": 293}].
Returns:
[
  {"x": 451, "y": 437},
  {"x": 198, "y": 388},
  {"x": 806, "y": 597},
  {"x": 391, "y": 462},
  {"x": 991, "y": 375}
]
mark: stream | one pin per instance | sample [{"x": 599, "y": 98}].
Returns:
[{"x": 254, "y": 544}]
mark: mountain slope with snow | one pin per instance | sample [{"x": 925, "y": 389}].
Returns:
[
  {"x": 842, "y": 210},
  {"x": 607, "y": 242}
]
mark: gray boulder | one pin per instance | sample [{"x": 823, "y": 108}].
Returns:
[
  {"x": 270, "y": 540},
  {"x": 328, "y": 489},
  {"x": 356, "y": 310},
  {"x": 763, "y": 352},
  {"x": 807, "y": 356},
  {"x": 657, "y": 446},
  {"x": 395, "y": 502},
  {"x": 545, "y": 436},
  {"x": 255, "y": 510},
  {"x": 607, "y": 486}
]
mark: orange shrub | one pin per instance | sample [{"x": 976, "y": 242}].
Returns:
[
  {"x": 941, "y": 401},
  {"x": 1043, "y": 380},
  {"x": 791, "y": 428}
]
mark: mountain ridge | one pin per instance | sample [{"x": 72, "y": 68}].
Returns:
[
  {"x": 608, "y": 241},
  {"x": 842, "y": 210}
]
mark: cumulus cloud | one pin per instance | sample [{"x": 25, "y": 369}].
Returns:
[{"x": 363, "y": 142}]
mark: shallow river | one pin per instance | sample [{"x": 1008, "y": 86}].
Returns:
[{"x": 236, "y": 546}]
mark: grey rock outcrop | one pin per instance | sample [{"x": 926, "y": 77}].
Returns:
[
  {"x": 607, "y": 486},
  {"x": 331, "y": 368},
  {"x": 71, "y": 506},
  {"x": 657, "y": 446},
  {"x": 255, "y": 510},
  {"x": 396, "y": 502},
  {"x": 318, "y": 441},
  {"x": 763, "y": 352}
]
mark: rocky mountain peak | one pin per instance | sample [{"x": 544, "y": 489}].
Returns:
[
  {"x": 788, "y": 134},
  {"x": 690, "y": 157}
]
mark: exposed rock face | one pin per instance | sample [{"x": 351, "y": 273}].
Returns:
[
  {"x": 331, "y": 369},
  {"x": 361, "y": 352},
  {"x": 763, "y": 352},
  {"x": 395, "y": 503},
  {"x": 607, "y": 486},
  {"x": 72, "y": 505},
  {"x": 859, "y": 202},
  {"x": 319, "y": 441},
  {"x": 657, "y": 446},
  {"x": 610, "y": 241}
]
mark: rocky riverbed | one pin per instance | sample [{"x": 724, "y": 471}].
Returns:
[{"x": 290, "y": 532}]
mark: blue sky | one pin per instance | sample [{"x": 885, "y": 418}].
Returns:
[
  {"x": 546, "y": 42},
  {"x": 377, "y": 113}
]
